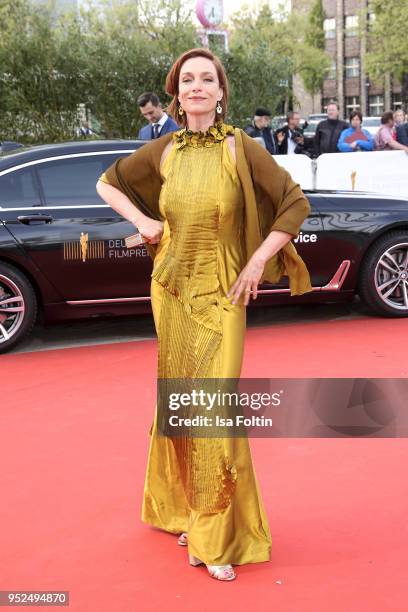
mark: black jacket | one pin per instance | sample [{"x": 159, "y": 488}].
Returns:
[
  {"x": 266, "y": 134},
  {"x": 402, "y": 134},
  {"x": 327, "y": 135}
]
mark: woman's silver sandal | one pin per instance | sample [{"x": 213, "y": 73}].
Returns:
[
  {"x": 220, "y": 572},
  {"x": 182, "y": 539}
]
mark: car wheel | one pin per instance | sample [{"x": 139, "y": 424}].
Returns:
[
  {"x": 383, "y": 283},
  {"x": 18, "y": 306}
]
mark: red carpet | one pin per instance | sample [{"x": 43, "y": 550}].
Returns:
[{"x": 74, "y": 438}]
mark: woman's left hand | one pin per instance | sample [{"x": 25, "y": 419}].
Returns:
[{"x": 247, "y": 281}]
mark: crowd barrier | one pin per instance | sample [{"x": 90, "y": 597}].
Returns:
[
  {"x": 300, "y": 167},
  {"x": 382, "y": 172}
]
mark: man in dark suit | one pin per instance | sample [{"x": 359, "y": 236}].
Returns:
[{"x": 159, "y": 121}]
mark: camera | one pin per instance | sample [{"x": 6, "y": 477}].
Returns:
[{"x": 298, "y": 133}]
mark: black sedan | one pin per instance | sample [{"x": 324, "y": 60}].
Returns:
[{"x": 63, "y": 254}]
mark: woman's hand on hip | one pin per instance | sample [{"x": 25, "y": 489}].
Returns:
[
  {"x": 248, "y": 280},
  {"x": 151, "y": 230}
]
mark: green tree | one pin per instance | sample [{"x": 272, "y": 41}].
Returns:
[
  {"x": 130, "y": 49},
  {"x": 388, "y": 42},
  {"x": 51, "y": 63},
  {"x": 40, "y": 83},
  {"x": 313, "y": 61},
  {"x": 266, "y": 49},
  {"x": 314, "y": 29},
  {"x": 256, "y": 70}
]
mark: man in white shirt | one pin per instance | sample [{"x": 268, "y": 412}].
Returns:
[{"x": 159, "y": 121}]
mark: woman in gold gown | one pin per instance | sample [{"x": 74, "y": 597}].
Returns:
[{"x": 193, "y": 195}]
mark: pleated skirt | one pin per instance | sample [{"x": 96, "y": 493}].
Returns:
[{"x": 206, "y": 487}]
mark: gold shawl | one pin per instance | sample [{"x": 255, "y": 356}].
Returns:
[{"x": 273, "y": 201}]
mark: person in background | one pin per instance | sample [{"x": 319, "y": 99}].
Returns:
[
  {"x": 260, "y": 128},
  {"x": 289, "y": 137},
  {"x": 384, "y": 139},
  {"x": 159, "y": 121},
  {"x": 355, "y": 138},
  {"x": 328, "y": 131},
  {"x": 399, "y": 117},
  {"x": 402, "y": 130},
  {"x": 84, "y": 130}
]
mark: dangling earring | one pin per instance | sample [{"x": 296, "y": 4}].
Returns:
[
  {"x": 218, "y": 108},
  {"x": 180, "y": 110}
]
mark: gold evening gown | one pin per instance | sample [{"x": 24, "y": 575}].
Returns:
[{"x": 206, "y": 487}]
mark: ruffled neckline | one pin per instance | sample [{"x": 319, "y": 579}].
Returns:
[{"x": 215, "y": 133}]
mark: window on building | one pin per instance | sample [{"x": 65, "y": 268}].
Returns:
[
  {"x": 351, "y": 25},
  {"x": 352, "y": 67},
  {"x": 396, "y": 101},
  {"x": 352, "y": 103},
  {"x": 376, "y": 105},
  {"x": 329, "y": 27},
  {"x": 371, "y": 20},
  {"x": 331, "y": 71}
]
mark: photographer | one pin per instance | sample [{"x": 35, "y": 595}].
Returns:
[{"x": 290, "y": 137}]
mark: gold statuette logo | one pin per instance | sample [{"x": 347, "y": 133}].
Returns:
[
  {"x": 353, "y": 177},
  {"x": 84, "y": 248}
]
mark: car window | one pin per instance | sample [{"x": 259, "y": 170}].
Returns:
[
  {"x": 19, "y": 189},
  {"x": 371, "y": 122},
  {"x": 71, "y": 181}
]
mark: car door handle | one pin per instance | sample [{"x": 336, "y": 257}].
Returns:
[{"x": 35, "y": 217}]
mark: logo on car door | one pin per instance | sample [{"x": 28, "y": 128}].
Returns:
[{"x": 84, "y": 249}]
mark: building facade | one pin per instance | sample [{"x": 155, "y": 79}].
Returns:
[{"x": 346, "y": 25}]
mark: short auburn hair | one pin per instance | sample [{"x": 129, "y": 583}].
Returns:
[
  {"x": 172, "y": 82},
  {"x": 386, "y": 117}
]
